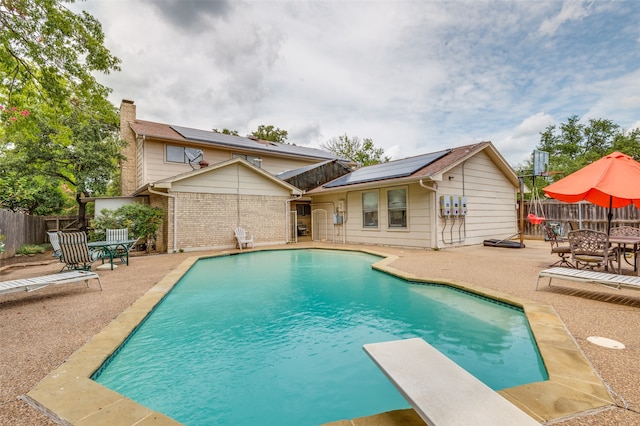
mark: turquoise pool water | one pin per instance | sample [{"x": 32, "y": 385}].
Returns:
[{"x": 276, "y": 337}]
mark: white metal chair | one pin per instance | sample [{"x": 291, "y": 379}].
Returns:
[
  {"x": 243, "y": 238},
  {"x": 119, "y": 235}
]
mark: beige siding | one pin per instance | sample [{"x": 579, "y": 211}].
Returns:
[
  {"x": 233, "y": 179},
  {"x": 419, "y": 213},
  {"x": 491, "y": 203}
]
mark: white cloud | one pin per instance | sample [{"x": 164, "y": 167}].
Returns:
[
  {"x": 572, "y": 10},
  {"x": 413, "y": 76}
]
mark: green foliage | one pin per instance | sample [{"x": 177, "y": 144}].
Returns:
[
  {"x": 362, "y": 152},
  {"x": 271, "y": 133},
  {"x": 2, "y": 238},
  {"x": 56, "y": 51},
  {"x": 142, "y": 220},
  {"x": 56, "y": 122},
  {"x": 226, "y": 131},
  {"x": 30, "y": 194},
  {"x": 27, "y": 249},
  {"x": 573, "y": 145}
]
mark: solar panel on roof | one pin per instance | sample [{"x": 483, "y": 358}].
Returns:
[
  {"x": 390, "y": 170},
  {"x": 246, "y": 143}
]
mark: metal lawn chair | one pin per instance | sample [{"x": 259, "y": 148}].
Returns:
[
  {"x": 75, "y": 251},
  {"x": 591, "y": 249},
  {"x": 564, "y": 250}
]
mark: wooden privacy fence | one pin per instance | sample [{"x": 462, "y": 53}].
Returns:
[
  {"x": 20, "y": 229},
  {"x": 587, "y": 216}
]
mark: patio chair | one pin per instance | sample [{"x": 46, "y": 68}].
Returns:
[
  {"x": 55, "y": 244},
  {"x": 591, "y": 249},
  {"x": 563, "y": 251},
  {"x": 242, "y": 238},
  {"x": 117, "y": 235},
  {"x": 627, "y": 231},
  {"x": 75, "y": 251}
]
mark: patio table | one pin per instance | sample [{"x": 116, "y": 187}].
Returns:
[
  {"x": 622, "y": 242},
  {"x": 110, "y": 248}
]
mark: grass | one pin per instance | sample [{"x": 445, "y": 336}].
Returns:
[{"x": 28, "y": 249}]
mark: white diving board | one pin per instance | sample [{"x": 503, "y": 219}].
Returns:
[
  {"x": 439, "y": 390},
  {"x": 36, "y": 283}
]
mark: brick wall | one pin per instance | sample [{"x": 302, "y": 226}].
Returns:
[
  {"x": 128, "y": 166},
  {"x": 208, "y": 220}
]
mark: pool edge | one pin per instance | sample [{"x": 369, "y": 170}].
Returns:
[{"x": 573, "y": 384}]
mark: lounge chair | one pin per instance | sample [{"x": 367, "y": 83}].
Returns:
[
  {"x": 591, "y": 249},
  {"x": 564, "y": 250},
  {"x": 242, "y": 238},
  {"x": 75, "y": 251},
  {"x": 36, "y": 283}
]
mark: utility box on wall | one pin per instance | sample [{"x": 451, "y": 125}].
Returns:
[
  {"x": 445, "y": 205},
  {"x": 453, "y": 205}
]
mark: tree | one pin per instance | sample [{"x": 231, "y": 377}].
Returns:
[
  {"x": 271, "y": 133},
  {"x": 71, "y": 145},
  {"x": 66, "y": 129},
  {"x": 226, "y": 131},
  {"x": 362, "y": 152},
  {"x": 34, "y": 195},
  {"x": 46, "y": 45},
  {"x": 573, "y": 145}
]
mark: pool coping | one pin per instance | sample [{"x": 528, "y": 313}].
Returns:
[{"x": 573, "y": 385}]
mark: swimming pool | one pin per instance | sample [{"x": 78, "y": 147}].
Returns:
[{"x": 276, "y": 337}]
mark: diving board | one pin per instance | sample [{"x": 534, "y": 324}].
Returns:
[
  {"x": 439, "y": 390},
  {"x": 36, "y": 283},
  {"x": 604, "y": 278}
]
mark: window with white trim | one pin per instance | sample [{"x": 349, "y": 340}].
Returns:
[
  {"x": 370, "y": 209},
  {"x": 397, "y": 207},
  {"x": 181, "y": 154}
]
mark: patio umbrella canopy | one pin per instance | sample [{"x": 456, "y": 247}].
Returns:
[{"x": 613, "y": 181}]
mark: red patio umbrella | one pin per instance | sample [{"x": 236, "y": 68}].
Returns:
[{"x": 612, "y": 181}]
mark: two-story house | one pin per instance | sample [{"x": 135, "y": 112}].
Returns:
[{"x": 208, "y": 183}]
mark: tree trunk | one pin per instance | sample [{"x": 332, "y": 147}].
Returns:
[{"x": 82, "y": 213}]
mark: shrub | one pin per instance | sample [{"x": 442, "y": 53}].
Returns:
[
  {"x": 27, "y": 249},
  {"x": 142, "y": 220}
]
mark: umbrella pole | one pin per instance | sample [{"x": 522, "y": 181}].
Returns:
[
  {"x": 610, "y": 215},
  {"x": 521, "y": 181}
]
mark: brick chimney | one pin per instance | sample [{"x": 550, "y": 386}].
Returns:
[{"x": 128, "y": 166}]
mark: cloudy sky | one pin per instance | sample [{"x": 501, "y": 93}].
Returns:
[{"x": 414, "y": 76}]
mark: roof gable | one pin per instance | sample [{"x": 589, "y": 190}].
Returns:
[{"x": 167, "y": 183}]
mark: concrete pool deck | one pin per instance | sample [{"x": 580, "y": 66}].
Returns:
[{"x": 46, "y": 366}]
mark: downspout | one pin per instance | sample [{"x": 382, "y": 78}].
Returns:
[
  {"x": 175, "y": 213},
  {"x": 434, "y": 222}
]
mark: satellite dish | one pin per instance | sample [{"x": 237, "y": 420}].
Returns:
[{"x": 193, "y": 159}]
